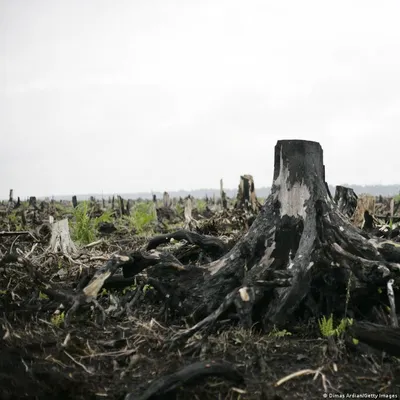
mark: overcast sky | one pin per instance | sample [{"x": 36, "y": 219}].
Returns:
[{"x": 141, "y": 95}]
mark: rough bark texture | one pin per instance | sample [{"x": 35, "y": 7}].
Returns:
[{"x": 346, "y": 200}]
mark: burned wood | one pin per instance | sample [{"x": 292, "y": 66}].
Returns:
[
  {"x": 208, "y": 243},
  {"x": 33, "y": 202},
  {"x": 384, "y": 338},
  {"x": 296, "y": 231},
  {"x": 188, "y": 375},
  {"x": 106, "y": 228},
  {"x": 224, "y": 200},
  {"x": 346, "y": 200},
  {"x": 122, "y": 209},
  {"x": 364, "y": 213},
  {"x": 246, "y": 196},
  {"x": 138, "y": 261}
]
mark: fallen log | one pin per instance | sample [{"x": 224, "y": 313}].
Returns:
[
  {"x": 189, "y": 375},
  {"x": 208, "y": 243},
  {"x": 384, "y": 338}
]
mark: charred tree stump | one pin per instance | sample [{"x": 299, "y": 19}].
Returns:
[
  {"x": 121, "y": 206},
  {"x": 246, "y": 197},
  {"x": 166, "y": 200},
  {"x": 32, "y": 202},
  {"x": 299, "y": 240},
  {"x": 11, "y": 203},
  {"x": 74, "y": 201},
  {"x": 299, "y": 258},
  {"x": 346, "y": 200},
  {"x": 224, "y": 201},
  {"x": 365, "y": 210}
]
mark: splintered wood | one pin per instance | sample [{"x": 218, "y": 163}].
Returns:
[
  {"x": 190, "y": 222},
  {"x": 61, "y": 239}
]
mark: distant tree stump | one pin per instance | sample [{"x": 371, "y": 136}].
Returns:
[
  {"x": 364, "y": 213},
  {"x": 346, "y": 200},
  {"x": 60, "y": 238},
  {"x": 190, "y": 222},
  {"x": 166, "y": 200},
  {"x": 33, "y": 202},
  {"x": 224, "y": 201},
  {"x": 122, "y": 209},
  {"x": 11, "y": 202},
  {"x": 74, "y": 202},
  {"x": 246, "y": 196}
]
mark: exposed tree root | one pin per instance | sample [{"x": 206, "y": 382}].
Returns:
[{"x": 208, "y": 243}]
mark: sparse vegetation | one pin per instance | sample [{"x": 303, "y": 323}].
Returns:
[
  {"x": 84, "y": 227},
  {"x": 327, "y": 329},
  {"x": 142, "y": 218}
]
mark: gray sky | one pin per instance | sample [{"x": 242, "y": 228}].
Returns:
[{"x": 140, "y": 95}]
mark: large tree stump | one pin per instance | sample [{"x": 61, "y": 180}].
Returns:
[
  {"x": 299, "y": 240},
  {"x": 299, "y": 258},
  {"x": 346, "y": 200}
]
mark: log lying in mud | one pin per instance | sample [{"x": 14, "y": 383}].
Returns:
[{"x": 189, "y": 375}]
